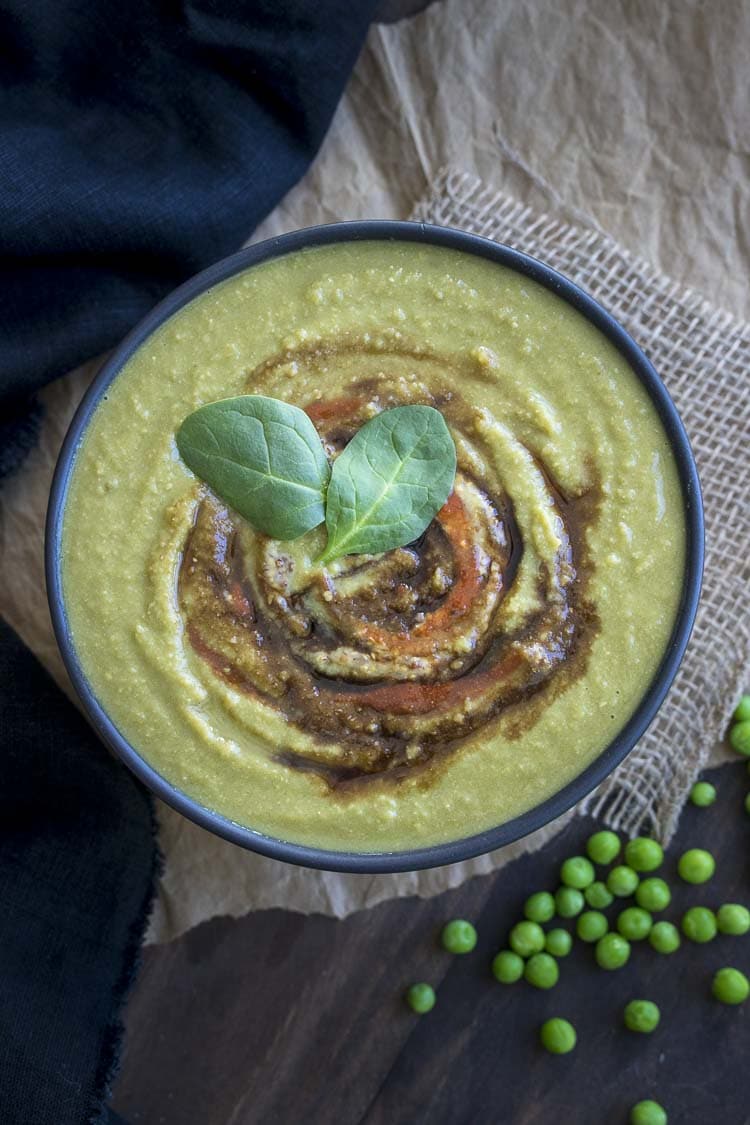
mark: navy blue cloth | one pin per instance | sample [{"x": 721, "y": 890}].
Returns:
[
  {"x": 139, "y": 141},
  {"x": 77, "y": 865}
]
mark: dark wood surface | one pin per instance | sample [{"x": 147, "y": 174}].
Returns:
[{"x": 281, "y": 1018}]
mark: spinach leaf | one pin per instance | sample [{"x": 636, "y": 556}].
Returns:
[
  {"x": 261, "y": 456},
  {"x": 389, "y": 482}
]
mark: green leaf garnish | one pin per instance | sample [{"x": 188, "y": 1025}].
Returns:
[
  {"x": 391, "y": 479},
  {"x": 263, "y": 457}
]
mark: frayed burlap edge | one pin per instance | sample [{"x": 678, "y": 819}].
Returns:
[{"x": 703, "y": 356}]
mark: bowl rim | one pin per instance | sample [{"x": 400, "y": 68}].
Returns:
[{"x": 574, "y": 791}]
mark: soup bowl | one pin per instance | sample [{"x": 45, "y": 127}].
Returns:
[{"x": 406, "y": 237}]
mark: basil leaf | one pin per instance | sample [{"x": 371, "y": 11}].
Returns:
[
  {"x": 263, "y": 458},
  {"x": 389, "y": 482}
]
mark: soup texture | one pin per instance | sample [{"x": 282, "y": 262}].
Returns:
[{"x": 385, "y": 702}]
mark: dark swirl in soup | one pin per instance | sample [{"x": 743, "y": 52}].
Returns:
[{"x": 387, "y": 663}]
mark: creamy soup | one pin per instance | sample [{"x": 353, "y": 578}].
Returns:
[{"x": 411, "y": 698}]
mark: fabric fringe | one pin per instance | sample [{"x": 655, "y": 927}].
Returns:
[{"x": 703, "y": 356}]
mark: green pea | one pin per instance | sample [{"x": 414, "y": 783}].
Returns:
[
  {"x": 653, "y": 894},
  {"x": 731, "y": 918},
  {"x": 526, "y": 938},
  {"x": 648, "y": 1113},
  {"x": 622, "y": 881},
  {"x": 591, "y": 925},
  {"x": 568, "y": 902},
  {"x": 458, "y": 936},
  {"x": 634, "y": 923},
  {"x": 612, "y": 951},
  {"x": 603, "y": 846},
  {"x": 703, "y": 794},
  {"x": 742, "y": 711},
  {"x": 699, "y": 924},
  {"x": 644, "y": 854},
  {"x": 747, "y": 804},
  {"x": 540, "y": 907},
  {"x": 730, "y": 986},
  {"x": 739, "y": 737},
  {"x": 558, "y": 1036},
  {"x": 641, "y": 1015},
  {"x": 542, "y": 971},
  {"x": 696, "y": 866},
  {"x": 598, "y": 896},
  {"x": 577, "y": 872},
  {"x": 558, "y": 942},
  {"x": 507, "y": 967},
  {"x": 664, "y": 937},
  {"x": 421, "y": 998}
]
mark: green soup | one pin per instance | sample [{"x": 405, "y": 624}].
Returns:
[{"x": 396, "y": 701}]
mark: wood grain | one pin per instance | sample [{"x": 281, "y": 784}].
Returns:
[{"x": 283, "y": 1018}]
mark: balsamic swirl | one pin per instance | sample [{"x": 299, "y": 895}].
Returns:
[{"x": 387, "y": 663}]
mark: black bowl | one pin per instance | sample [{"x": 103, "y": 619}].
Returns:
[{"x": 609, "y": 757}]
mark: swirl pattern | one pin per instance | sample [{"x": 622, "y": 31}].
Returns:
[{"x": 389, "y": 662}]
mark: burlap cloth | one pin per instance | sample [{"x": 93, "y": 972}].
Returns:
[{"x": 600, "y": 117}]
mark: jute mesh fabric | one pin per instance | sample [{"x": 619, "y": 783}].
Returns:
[{"x": 703, "y": 356}]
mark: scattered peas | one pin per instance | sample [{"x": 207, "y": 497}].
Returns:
[
  {"x": 634, "y": 923},
  {"x": 648, "y": 1113},
  {"x": 731, "y": 918},
  {"x": 612, "y": 951},
  {"x": 598, "y": 896},
  {"x": 542, "y": 971},
  {"x": 664, "y": 937},
  {"x": 458, "y": 936},
  {"x": 526, "y": 938},
  {"x": 703, "y": 794},
  {"x": 507, "y": 967},
  {"x": 558, "y": 1036},
  {"x": 558, "y": 942},
  {"x": 742, "y": 710},
  {"x": 421, "y": 998},
  {"x": 699, "y": 924},
  {"x": 568, "y": 902},
  {"x": 591, "y": 925},
  {"x": 739, "y": 737},
  {"x": 696, "y": 866},
  {"x": 730, "y": 986},
  {"x": 602, "y": 847},
  {"x": 622, "y": 881},
  {"x": 644, "y": 854},
  {"x": 577, "y": 872},
  {"x": 641, "y": 1015},
  {"x": 653, "y": 894},
  {"x": 540, "y": 907}
]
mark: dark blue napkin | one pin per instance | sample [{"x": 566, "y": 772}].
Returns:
[
  {"x": 139, "y": 141},
  {"x": 77, "y": 865}
]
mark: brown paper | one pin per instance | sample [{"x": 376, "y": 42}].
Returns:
[{"x": 629, "y": 118}]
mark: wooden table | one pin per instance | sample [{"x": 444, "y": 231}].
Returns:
[{"x": 285, "y": 1019}]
